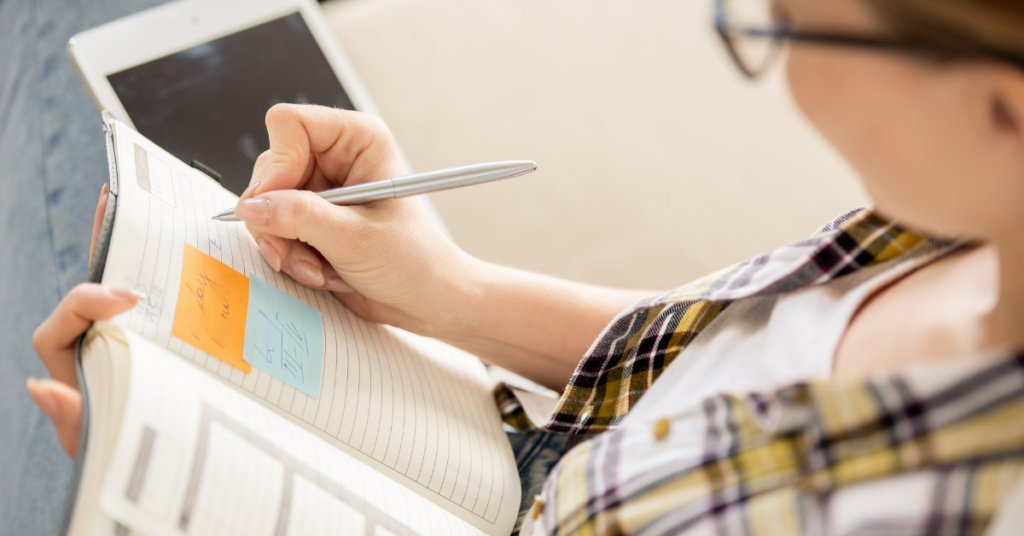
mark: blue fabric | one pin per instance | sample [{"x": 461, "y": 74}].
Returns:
[
  {"x": 52, "y": 165},
  {"x": 536, "y": 454}
]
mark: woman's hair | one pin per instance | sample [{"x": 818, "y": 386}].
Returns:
[{"x": 958, "y": 27}]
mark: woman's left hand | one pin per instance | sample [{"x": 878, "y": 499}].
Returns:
[{"x": 55, "y": 339}]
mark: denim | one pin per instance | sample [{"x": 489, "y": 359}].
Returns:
[
  {"x": 536, "y": 454},
  {"x": 52, "y": 165}
]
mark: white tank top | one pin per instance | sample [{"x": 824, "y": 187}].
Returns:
[{"x": 759, "y": 344}]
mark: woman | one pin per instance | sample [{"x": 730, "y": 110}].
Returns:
[{"x": 881, "y": 385}]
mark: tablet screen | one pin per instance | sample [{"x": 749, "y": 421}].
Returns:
[{"x": 208, "y": 103}]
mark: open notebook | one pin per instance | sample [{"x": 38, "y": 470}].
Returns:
[{"x": 394, "y": 434}]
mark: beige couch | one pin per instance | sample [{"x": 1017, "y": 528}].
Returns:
[{"x": 658, "y": 162}]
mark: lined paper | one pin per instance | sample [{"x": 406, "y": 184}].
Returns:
[
  {"x": 208, "y": 461},
  {"x": 417, "y": 410}
]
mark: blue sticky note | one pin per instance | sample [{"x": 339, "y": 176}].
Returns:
[{"x": 284, "y": 337}]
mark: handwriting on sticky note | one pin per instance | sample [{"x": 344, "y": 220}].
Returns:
[
  {"x": 213, "y": 302},
  {"x": 284, "y": 337}
]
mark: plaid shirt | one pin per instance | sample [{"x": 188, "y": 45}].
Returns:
[{"x": 803, "y": 459}]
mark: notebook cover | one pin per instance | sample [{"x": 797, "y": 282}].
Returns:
[{"x": 96, "y": 266}]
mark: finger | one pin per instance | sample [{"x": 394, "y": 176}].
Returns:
[
  {"x": 304, "y": 265},
  {"x": 314, "y": 180},
  {"x": 272, "y": 248},
  {"x": 254, "y": 184},
  {"x": 262, "y": 161},
  {"x": 295, "y": 214},
  {"x": 258, "y": 169},
  {"x": 310, "y": 168},
  {"x": 308, "y": 267},
  {"x": 97, "y": 221},
  {"x": 334, "y": 282},
  {"x": 343, "y": 141},
  {"x": 54, "y": 339},
  {"x": 63, "y": 405},
  {"x": 318, "y": 181}
]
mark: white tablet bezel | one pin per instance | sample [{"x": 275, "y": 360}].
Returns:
[
  {"x": 177, "y": 26},
  {"x": 183, "y": 24}
]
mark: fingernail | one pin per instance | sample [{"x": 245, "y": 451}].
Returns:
[
  {"x": 270, "y": 254},
  {"x": 125, "y": 293},
  {"x": 307, "y": 273},
  {"x": 255, "y": 211},
  {"x": 42, "y": 397},
  {"x": 337, "y": 284},
  {"x": 252, "y": 188}
]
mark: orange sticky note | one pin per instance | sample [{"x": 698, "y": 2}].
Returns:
[{"x": 213, "y": 302}]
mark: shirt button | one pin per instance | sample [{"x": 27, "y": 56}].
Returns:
[
  {"x": 661, "y": 428},
  {"x": 538, "y": 506}
]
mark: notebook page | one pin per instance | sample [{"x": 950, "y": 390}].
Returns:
[
  {"x": 412, "y": 408},
  {"x": 108, "y": 389},
  {"x": 208, "y": 461}
]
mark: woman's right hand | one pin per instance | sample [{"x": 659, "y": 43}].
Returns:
[
  {"x": 386, "y": 260},
  {"x": 388, "y": 263}
]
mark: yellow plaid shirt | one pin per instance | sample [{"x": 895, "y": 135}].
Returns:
[{"x": 943, "y": 442}]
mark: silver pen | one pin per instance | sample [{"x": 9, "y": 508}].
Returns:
[{"x": 416, "y": 184}]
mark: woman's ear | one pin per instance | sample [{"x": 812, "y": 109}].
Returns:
[
  {"x": 1006, "y": 110},
  {"x": 1006, "y": 105},
  {"x": 1003, "y": 116}
]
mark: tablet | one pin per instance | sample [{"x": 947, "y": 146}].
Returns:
[{"x": 197, "y": 76}]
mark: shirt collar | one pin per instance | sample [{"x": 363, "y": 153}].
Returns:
[{"x": 858, "y": 239}]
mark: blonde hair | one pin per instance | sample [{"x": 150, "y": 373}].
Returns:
[{"x": 958, "y": 27}]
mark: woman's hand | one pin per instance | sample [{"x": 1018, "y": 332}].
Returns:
[
  {"x": 386, "y": 261},
  {"x": 54, "y": 341}
]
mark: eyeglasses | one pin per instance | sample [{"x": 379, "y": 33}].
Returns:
[{"x": 755, "y": 32}]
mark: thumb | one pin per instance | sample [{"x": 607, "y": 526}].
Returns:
[{"x": 297, "y": 215}]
